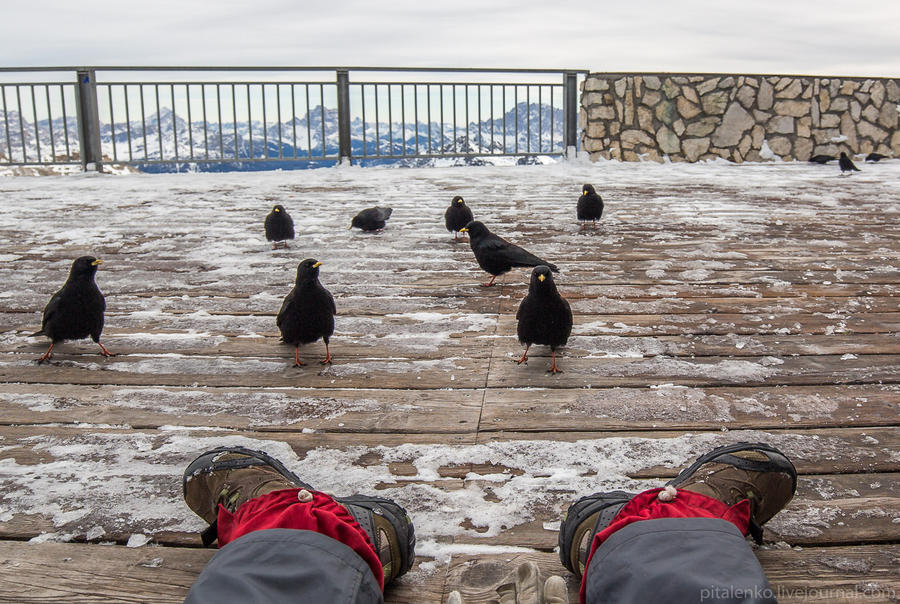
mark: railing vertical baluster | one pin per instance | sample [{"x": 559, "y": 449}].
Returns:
[
  {"x": 37, "y": 132},
  {"x": 540, "y": 119},
  {"x": 293, "y": 119},
  {"x": 552, "y": 114},
  {"x": 6, "y": 123},
  {"x": 127, "y": 121},
  {"x": 416, "y": 114},
  {"x": 428, "y": 89},
  {"x": 570, "y": 111},
  {"x": 159, "y": 122},
  {"x": 249, "y": 124},
  {"x": 528, "y": 119},
  {"x": 205, "y": 122},
  {"x": 62, "y": 98},
  {"x": 466, "y": 96},
  {"x": 144, "y": 122},
  {"x": 493, "y": 126},
  {"x": 322, "y": 115},
  {"x": 480, "y": 124},
  {"x": 21, "y": 124},
  {"x": 219, "y": 115},
  {"x": 174, "y": 122},
  {"x": 308, "y": 125},
  {"x": 190, "y": 121},
  {"x": 455, "y": 127},
  {"x": 505, "y": 144},
  {"x": 265, "y": 122},
  {"x": 377, "y": 117},
  {"x": 234, "y": 122},
  {"x": 50, "y": 123},
  {"x": 403, "y": 117},
  {"x": 441, "y": 86},
  {"x": 278, "y": 110},
  {"x": 88, "y": 119},
  {"x": 112, "y": 122},
  {"x": 343, "y": 111},
  {"x": 390, "y": 121}
]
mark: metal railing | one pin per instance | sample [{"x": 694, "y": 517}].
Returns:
[{"x": 260, "y": 122}]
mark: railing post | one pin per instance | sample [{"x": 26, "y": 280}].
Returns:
[
  {"x": 570, "y": 112},
  {"x": 343, "y": 99},
  {"x": 88, "y": 120}
]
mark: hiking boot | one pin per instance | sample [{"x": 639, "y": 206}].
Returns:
[
  {"x": 753, "y": 471},
  {"x": 584, "y": 519},
  {"x": 231, "y": 476}
]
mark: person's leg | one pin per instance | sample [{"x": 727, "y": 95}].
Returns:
[
  {"x": 249, "y": 498},
  {"x": 684, "y": 543}
]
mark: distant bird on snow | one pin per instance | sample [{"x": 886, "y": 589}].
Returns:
[
  {"x": 544, "y": 316},
  {"x": 497, "y": 255},
  {"x": 821, "y": 159},
  {"x": 371, "y": 219},
  {"x": 457, "y": 216},
  {"x": 875, "y": 157},
  {"x": 846, "y": 164},
  {"x": 590, "y": 206},
  {"x": 279, "y": 227},
  {"x": 76, "y": 310}
]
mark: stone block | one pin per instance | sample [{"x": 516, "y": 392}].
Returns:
[
  {"x": 632, "y": 137},
  {"x": 702, "y": 127},
  {"x": 666, "y": 112},
  {"x": 591, "y": 98},
  {"x": 866, "y": 146},
  {"x": 752, "y": 82},
  {"x": 735, "y": 122},
  {"x": 895, "y": 143},
  {"x": 693, "y": 148},
  {"x": 871, "y": 131},
  {"x": 793, "y": 108},
  {"x": 862, "y": 97},
  {"x": 848, "y": 87},
  {"x": 628, "y": 155},
  {"x": 726, "y": 82},
  {"x": 791, "y": 91},
  {"x": 745, "y": 144},
  {"x": 782, "y": 82},
  {"x": 707, "y": 85},
  {"x": 597, "y": 155},
  {"x": 670, "y": 89},
  {"x": 680, "y": 80},
  {"x": 594, "y": 84},
  {"x": 690, "y": 94},
  {"x": 652, "y": 82},
  {"x": 781, "y": 124},
  {"x": 870, "y": 112},
  {"x": 678, "y": 127},
  {"x": 781, "y": 146},
  {"x": 746, "y": 96},
  {"x": 766, "y": 95},
  {"x": 645, "y": 118},
  {"x": 601, "y": 112},
  {"x": 848, "y": 129},
  {"x": 629, "y": 107},
  {"x": 824, "y": 99},
  {"x": 615, "y": 128},
  {"x": 803, "y": 127},
  {"x": 866, "y": 86},
  {"x": 758, "y": 134},
  {"x": 892, "y": 91},
  {"x": 824, "y": 136},
  {"x": 715, "y": 103},
  {"x": 668, "y": 141},
  {"x": 803, "y": 149},
  {"x": 650, "y": 99},
  {"x": 877, "y": 93},
  {"x": 888, "y": 116},
  {"x": 620, "y": 110},
  {"x": 761, "y": 116},
  {"x": 855, "y": 109},
  {"x": 807, "y": 92},
  {"x": 620, "y": 85},
  {"x": 830, "y": 120},
  {"x": 596, "y": 130},
  {"x": 686, "y": 109}
]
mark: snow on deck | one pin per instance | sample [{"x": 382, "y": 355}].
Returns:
[{"x": 714, "y": 303}]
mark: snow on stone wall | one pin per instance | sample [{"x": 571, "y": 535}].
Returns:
[{"x": 737, "y": 117}]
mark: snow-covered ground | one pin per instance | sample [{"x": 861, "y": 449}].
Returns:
[{"x": 201, "y": 234}]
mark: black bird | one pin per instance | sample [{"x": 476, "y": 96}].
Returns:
[
  {"x": 279, "y": 226},
  {"x": 590, "y": 206},
  {"x": 371, "y": 219},
  {"x": 875, "y": 157},
  {"x": 497, "y": 255},
  {"x": 846, "y": 164},
  {"x": 76, "y": 310},
  {"x": 307, "y": 313},
  {"x": 544, "y": 316},
  {"x": 821, "y": 159},
  {"x": 457, "y": 216}
]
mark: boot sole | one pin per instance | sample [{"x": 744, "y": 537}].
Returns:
[
  {"x": 583, "y": 517},
  {"x": 726, "y": 449},
  {"x": 206, "y": 461}
]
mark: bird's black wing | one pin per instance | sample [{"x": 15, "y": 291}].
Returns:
[
  {"x": 383, "y": 213},
  {"x": 50, "y": 311},
  {"x": 288, "y": 300}
]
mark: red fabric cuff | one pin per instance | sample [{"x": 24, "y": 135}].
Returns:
[
  {"x": 282, "y": 509},
  {"x": 687, "y": 504}
]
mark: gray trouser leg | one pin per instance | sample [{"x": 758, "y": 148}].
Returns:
[
  {"x": 684, "y": 560},
  {"x": 285, "y": 565}
]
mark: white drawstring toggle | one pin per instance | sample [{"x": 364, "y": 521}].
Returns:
[{"x": 667, "y": 494}]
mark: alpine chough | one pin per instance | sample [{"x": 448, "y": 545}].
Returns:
[
  {"x": 846, "y": 164},
  {"x": 279, "y": 227},
  {"x": 371, "y": 219},
  {"x": 590, "y": 206},
  {"x": 544, "y": 316},
  {"x": 457, "y": 216},
  {"x": 307, "y": 313},
  {"x": 497, "y": 255}
]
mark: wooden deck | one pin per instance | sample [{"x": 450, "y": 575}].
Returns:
[{"x": 715, "y": 304}]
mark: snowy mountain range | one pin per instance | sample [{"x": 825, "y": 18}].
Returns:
[{"x": 169, "y": 136}]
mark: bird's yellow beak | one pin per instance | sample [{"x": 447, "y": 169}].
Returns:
[
  {"x": 96, "y": 262},
  {"x": 464, "y": 230},
  {"x": 276, "y": 210},
  {"x": 317, "y": 265},
  {"x": 541, "y": 278}
]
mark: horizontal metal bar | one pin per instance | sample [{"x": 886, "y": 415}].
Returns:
[{"x": 292, "y": 68}]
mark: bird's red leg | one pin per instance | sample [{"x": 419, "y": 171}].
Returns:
[
  {"x": 297, "y": 361},
  {"x": 583, "y": 226},
  {"x": 524, "y": 358},
  {"x": 455, "y": 238},
  {"x": 47, "y": 355},
  {"x": 595, "y": 225},
  {"x": 489, "y": 283},
  {"x": 104, "y": 351},
  {"x": 553, "y": 368},
  {"x": 327, "y": 359}
]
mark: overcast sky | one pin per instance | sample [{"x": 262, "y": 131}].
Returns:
[{"x": 826, "y": 37}]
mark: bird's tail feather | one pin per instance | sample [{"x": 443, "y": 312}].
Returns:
[{"x": 39, "y": 332}]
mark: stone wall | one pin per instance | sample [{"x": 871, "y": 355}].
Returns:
[{"x": 738, "y": 117}]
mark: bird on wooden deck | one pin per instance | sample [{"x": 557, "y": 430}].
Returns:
[
  {"x": 497, "y": 255},
  {"x": 847, "y": 164},
  {"x": 457, "y": 216},
  {"x": 76, "y": 310},
  {"x": 590, "y": 206},
  {"x": 307, "y": 313},
  {"x": 821, "y": 159},
  {"x": 371, "y": 219},
  {"x": 544, "y": 316},
  {"x": 279, "y": 227}
]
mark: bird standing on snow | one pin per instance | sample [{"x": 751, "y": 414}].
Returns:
[
  {"x": 371, "y": 219},
  {"x": 875, "y": 157},
  {"x": 279, "y": 227},
  {"x": 544, "y": 316},
  {"x": 846, "y": 164},
  {"x": 307, "y": 313},
  {"x": 820, "y": 159},
  {"x": 590, "y": 206},
  {"x": 457, "y": 216},
  {"x": 497, "y": 255},
  {"x": 76, "y": 310}
]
